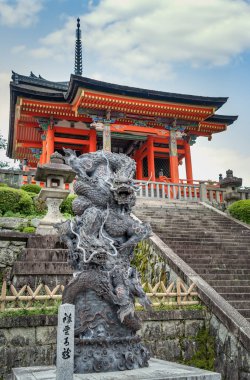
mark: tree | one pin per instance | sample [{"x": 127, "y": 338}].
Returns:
[{"x": 3, "y": 145}]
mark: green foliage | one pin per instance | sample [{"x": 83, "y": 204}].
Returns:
[
  {"x": 37, "y": 311},
  {"x": 165, "y": 307},
  {"x": 29, "y": 230},
  {"x": 150, "y": 265},
  {"x": 3, "y": 142},
  {"x": 3, "y": 145},
  {"x": 2, "y": 184},
  {"x": 240, "y": 210},
  {"x": 31, "y": 188},
  {"x": 205, "y": 355},
  {"x": 15, "y": 200},
  {"x": 66, "y": 206},
  {"x": 11, "y": 214}
]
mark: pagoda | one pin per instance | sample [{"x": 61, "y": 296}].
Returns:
[{"x": 155, "y": 128}]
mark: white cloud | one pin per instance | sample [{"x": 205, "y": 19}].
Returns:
[
  {"x": 20, "y": 12},
  {"x": 18, "y": 49},
  {"x": 147, "y": 38},
  {"x": 209, "y": 161},
  {"x": 4, "y": 102}
]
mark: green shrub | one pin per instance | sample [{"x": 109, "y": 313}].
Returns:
[
  {"x": 15, "y": 200},
  {"x": 32, "y": 195},
  {"x": 2, "y": 184},
  {"x": 28, "y": 230},
  {"x": 11, "y": 214},
  {"x": 31, "y": 188},
  {"x": 241, "y": 210},
  {"x": 66, "y": 206}
]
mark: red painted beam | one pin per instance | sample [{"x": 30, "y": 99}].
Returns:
[
  {"x": 71, "y": 141},
  {"x": 72, "y": 131},
  {"x": 29, "y": 144}
]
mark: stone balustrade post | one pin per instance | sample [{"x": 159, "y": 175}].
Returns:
[{"x": 203, "y": 192}]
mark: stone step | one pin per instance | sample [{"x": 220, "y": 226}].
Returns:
[
  {"x": 227, "y": 283},
  {"x": 202, "y": 240},
  {"x": 222, "y": 276},
  {"x": 208, "y": 250},
  {"x": 34, "y": 281},
  {"x": 241, "y": 305},
  {"x": 218, "y": 266},
  {"x": 37, "y": 268},
  {"x": 34, "y": 254},
  {"x": 205, "y": 270},
  {"x": 46, "y": 242},
  {"x": 232, "y": 289},
  {"x": 190, "y": 235},
  {"x": 202, "y": 243},
  {"x": 202, "y": 271},
  {"x": 177, "y": 232},
  {"x": 214, "y": 255},
  {"x": 244, "y": 312},
  {"x": 231, "y": 296},
  {"x": 244, "y": 262}
]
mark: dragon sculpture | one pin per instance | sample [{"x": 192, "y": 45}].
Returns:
[{"x": 101, "y": 240}]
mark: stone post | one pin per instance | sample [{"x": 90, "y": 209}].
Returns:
[
  {"x": 203, "y": 192},
  {"x": 65, "y": 342},
  {"x": 106, "y": 138}
]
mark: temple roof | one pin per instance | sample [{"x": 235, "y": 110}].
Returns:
[
  {"x": 222, "y": 119},
  {"x": 78, "y": 81},
  {"x": 39, "y": 86}
]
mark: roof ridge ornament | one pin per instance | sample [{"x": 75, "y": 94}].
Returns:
[{"x": 78, "y": 50}]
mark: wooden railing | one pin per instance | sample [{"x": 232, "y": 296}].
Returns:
[{"x": 175, "y": 293}]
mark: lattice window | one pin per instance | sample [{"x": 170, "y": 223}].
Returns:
[
  {"x": 145, "y": 167},
  {"x": 162, "y": 164}
]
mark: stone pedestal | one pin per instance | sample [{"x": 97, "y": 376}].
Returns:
[
  {"x": 55, "y": 174},
  {"x": 53, "y": 198},
  {"x": 157, "y": 370}
]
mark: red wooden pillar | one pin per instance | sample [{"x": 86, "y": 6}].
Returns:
[
  {"x": 139, "y": 171},
  {"x": 92, "y": 140},
  {"x": 44, "y": 154},
  {"x": 50, "y": 140},
  {"x": 151, "y": 158},
  {"x": 173, "y": 157},
  {"x": 188, "y": 163}
]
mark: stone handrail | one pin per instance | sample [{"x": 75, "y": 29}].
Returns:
[{"x": 171, "y": 191}]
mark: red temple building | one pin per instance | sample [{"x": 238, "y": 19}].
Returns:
[{"x": 156, "y": 128}]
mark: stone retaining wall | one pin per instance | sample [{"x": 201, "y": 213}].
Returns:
[
  {"x": 31, "y": 340},
  {"x": 232, "y": 358},
  {"x": 12, "y": 244}
]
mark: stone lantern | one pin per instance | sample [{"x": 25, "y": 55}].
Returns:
[
  {"x": 55, "y": 174},
  {"x": 230, "y": 184}
]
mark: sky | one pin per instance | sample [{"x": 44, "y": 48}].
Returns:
[{"x": 185, "y": 46}]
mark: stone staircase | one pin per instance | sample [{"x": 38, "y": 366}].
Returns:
[
  {"x": 43, "y": 261},
  {"x": 216, "y": 247}
]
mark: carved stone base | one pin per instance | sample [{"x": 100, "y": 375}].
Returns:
[
  {"x": 110, "y": 355},
  {"x": 158, "y": 369}
]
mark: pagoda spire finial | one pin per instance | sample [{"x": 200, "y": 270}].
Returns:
[{"x": 78, "y": 50}]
